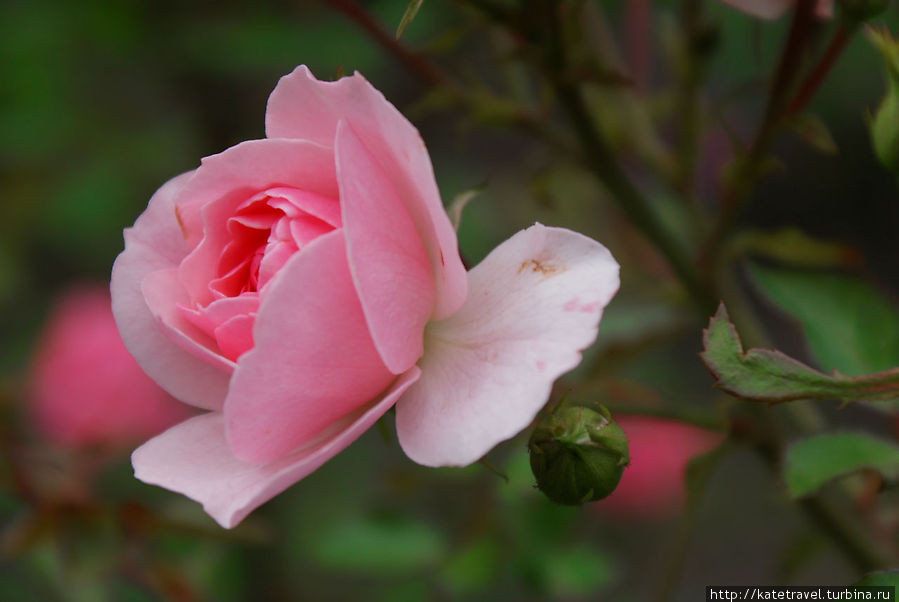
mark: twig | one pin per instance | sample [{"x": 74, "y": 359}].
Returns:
[
  {"x": 637, "y": 26},
  {"x": 817, "y": 76},
  {"x": 414, "y": 62},
  {"x": 737, "y": 192},
  {"x": 431, "y": 73},
  {"x": 688, "y": 121},
  {"x": 599, "y": 158}
]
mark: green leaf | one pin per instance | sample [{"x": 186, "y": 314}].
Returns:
[
  {"x": 771, "y": 376},
  {"x": 849, "y": 325},
  {"x": 814, "y": 132},
  {"x": 812, "y": 462},
  {"x": 376, "y": 546},
  {"x": 411, "y": 11}
]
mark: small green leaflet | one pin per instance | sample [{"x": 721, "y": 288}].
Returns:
[
  {"x": 814, "y": 132},
  {"x": 771, "y": 376},
  {"x": 812, "y": 462},
  {"x": 793, "y": 247},
  {"x": 411, "y": 11}
]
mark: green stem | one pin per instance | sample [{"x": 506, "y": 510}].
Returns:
[{"x": 849, "y": 533}]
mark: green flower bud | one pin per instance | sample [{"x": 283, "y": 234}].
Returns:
[
  {"x": 578, "y": 455},
  {"x": 885, "y": 124}
]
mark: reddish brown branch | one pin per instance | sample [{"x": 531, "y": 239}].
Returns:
[
  {"x": 817, "y": 77},
  {"x": 791, "y": 59},
  {"x": 414, "y": 62}
]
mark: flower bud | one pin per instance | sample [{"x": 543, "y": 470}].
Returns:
[
  {"x": 884, "y": 125},
  {"x": 578, "y": 455}
]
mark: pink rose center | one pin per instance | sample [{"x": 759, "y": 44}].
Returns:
[{"x": 262, "y": 234}]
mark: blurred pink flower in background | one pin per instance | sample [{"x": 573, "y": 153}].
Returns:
[
  {"x": 86, "y": 389},
  {"x": 774, "y": 9},
  {"x": 653, "y": 483}
]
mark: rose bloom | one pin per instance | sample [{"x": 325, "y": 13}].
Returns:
[
  {"x": 81, "y": 373},
  {"x": 299, "y": 286},
  {"x": 652, "y": 485}
]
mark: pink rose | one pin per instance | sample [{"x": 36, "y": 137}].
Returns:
[
  {"x": 300, "y": 285},
  {"x": 653, "y": 483},
  {"x": 80, "y": 374}
]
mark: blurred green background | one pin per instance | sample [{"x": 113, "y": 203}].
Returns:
[{"x": 101, "y": 101}]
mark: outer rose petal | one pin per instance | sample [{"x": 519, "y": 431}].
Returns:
[
  {"x": 193, "y": 458},
  {"x": 155, "y": 242},
  {"x": 313, "y": 361},
  {"x": 387, "y": 260},
  {"x": 534, "y": 303},
  {"x": 303, "y": 107}
]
